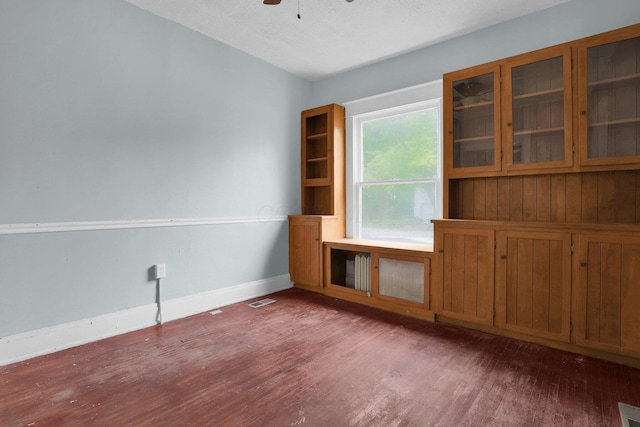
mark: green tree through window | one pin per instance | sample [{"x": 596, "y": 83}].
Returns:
[{"x": 399, "y": 187}]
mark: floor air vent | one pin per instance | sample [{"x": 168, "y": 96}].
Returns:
[
  {"x": 261, "y": 302},
  {"x": 630, "y": 415}
]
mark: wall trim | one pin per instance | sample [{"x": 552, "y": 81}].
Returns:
[
  {"x": 26, "y": 345},
  {"x": 55, "y": 227}
]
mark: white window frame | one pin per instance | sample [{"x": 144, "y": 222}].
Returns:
[{"x": 408, "y": 100}]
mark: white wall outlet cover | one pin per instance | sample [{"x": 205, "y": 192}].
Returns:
[{"x": 160, "y": 271}]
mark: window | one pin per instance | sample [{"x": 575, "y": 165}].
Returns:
[{"x": 396, "y": 175}]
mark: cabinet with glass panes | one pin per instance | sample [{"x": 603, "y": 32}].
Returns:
[
  {"x": 509, "y": 115},
  {"x": 536, "y": 115},
  {"x": 472, "y": 120},
  {"x": 609, "y": 98}
]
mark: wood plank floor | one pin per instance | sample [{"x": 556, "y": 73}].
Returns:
[{"x": 314, "y": 361}]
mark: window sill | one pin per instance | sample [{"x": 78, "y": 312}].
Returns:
[{"x": 381, "y": 244}]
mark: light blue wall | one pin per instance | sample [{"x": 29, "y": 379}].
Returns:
[
  {"x": 110, "y": 113},
  {"x": 566, "y": 22}
]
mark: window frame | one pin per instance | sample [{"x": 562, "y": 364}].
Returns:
[{"x": 390, "y": 104}]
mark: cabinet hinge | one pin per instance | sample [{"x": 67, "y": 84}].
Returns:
[
  {"x": 573, "y": 148},
  {"x": 572, "y": 249},
  {"x": 572, "y": 63},
  {"x": 494, "y": 313},
  {"x": 501, "y": 154},
  {"x": 495, "y": 243},
  {"x": 570, "y": 327}
]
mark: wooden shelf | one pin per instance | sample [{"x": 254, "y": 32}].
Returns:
[
  {"x": 318, "y": 159},
  {"x": 474, "y": 139},
  {"x": 544, "y": 93},
  {"x": 316, "y": 182},
  {"x": 317, "y": 136},
  {"x": 538, "y": 131},
  {"x": 616, "y": 122},
  {"x": 476, "y": 105},
  {"x": 614, "y": 80}
]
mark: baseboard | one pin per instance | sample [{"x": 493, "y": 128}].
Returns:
[
  {"x": 194, "y": 304},
  {"x": 26, "y": 345}
]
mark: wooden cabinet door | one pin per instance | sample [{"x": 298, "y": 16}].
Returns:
[
  {"x": 608, "y": 98},
  {"x": 536, "y": 110},
  {"x": 401, "y": 278},
  {"x": 607, "y": 293},
  {"x": 305, "y": 247},
  {"x": 533, "y": 283},
  {"x": 465, "y": 282},
  {"x": 472, "y": 121}
]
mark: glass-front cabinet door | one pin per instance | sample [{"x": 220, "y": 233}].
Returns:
[
  {"x": 472, "y": 120},
  {"x": 536, "y": 109},
  {"x": 609, "y": 98}
]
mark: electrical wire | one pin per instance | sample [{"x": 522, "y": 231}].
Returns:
[{"x": 159, "y": 317}]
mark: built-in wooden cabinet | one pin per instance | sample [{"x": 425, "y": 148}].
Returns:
[
  {"x": 464, "y": 283},
  {"x": 540, "y": 238},
  {"x": 541, "y": 223},
  {"x": 306, "y": 233},
  {"x": 401, "y": 279},
  {"x": 322, "y": 155},
  {"x": 533, "y": 283},
  {"x": 305, "y": 246},
  {"x": 609, "y": 99},
  {"x": 390, "y": 275},
  {"x": 536, "y": 110},
  {"x": 472, "y": 125},
  {"x": 510, "y": 115},
  {"x": 607, "y": 293},
  {"x": 322, "y": 160}
]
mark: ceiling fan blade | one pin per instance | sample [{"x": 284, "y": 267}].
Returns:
[{"x": 271, "y": 2}]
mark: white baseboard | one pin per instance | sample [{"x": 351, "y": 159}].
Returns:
[{"x": 26, "y": 345}]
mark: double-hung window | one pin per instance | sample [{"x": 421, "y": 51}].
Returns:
[{"x": 397, "y": 188}]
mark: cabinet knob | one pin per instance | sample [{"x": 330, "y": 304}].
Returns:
[
  {"x": 583, "y": 264},
  {"x": 509, "y": 124},
  {"x": 440, "y": 251},
  {"x": 584, "y": 113},
  {"x": 503, "y": 257}
]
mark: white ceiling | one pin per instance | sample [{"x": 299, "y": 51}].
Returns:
[{"x": 333, "y": 36}]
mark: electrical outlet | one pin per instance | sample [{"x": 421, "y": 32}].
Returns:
[{"x": 160, "y": 271}]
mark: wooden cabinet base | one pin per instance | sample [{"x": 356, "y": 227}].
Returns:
[
  {"x": 357, "y": 297},
  {"x": 572, "y": 348},
  {"x": 309, "y": 288}
]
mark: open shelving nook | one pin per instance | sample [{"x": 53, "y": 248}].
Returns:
[{"x": 322, "y": 160}]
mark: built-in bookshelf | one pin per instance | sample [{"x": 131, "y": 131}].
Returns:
[
  {"x": 322, "y": 160},
  {"x": 351, "y": 269}
]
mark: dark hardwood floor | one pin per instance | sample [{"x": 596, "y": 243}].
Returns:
[{"x": 314, "y": 361}]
